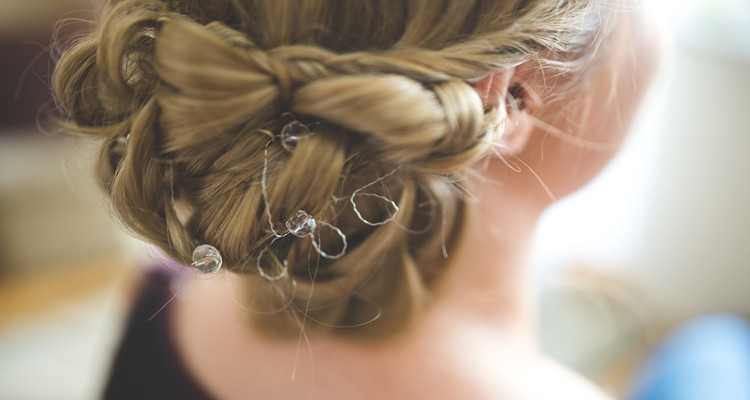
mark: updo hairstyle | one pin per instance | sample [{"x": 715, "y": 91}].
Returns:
[{"x": 190, "y": 98}]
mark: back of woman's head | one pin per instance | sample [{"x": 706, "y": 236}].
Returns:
[{"x": 319, "y": 145}]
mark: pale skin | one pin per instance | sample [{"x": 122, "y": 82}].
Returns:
[{"x": 477, "y": 339}]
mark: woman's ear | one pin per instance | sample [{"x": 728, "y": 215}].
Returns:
[
  {"x": 523, "y": 105},
  {"x": 517, "y": 103},
  {"x": 493, "y": 87}
]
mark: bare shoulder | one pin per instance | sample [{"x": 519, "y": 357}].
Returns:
[
  {"x": 526, "y": 377},
  {"x": 459, "y": 364}
]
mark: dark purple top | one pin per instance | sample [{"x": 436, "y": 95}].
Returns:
[{"x": 147, "y": 365}]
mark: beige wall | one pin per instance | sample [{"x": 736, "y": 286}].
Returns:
[
  {"x": 20, "y": 16},
  {"x": 671, "y": 217},
  {"x": 52, "y": 214}
]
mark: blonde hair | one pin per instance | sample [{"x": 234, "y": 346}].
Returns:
[{"x": 201, "y": 90}]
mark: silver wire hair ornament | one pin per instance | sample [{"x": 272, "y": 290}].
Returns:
[
  {"x": 278, "y": 269},
  {"x": 392, "y": 204},
  {"x": 124, "y": 139},
  {"x": 292, "y": 133},
  {"x": 301, "y": 225},
  {"x": 316, "y": 244},
  {"x": 207, "y": 259}
]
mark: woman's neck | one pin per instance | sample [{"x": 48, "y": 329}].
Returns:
[{"x": 488, "y": 279}]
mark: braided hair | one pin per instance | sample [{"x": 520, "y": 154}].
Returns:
[{"x": 190, "y": 98}]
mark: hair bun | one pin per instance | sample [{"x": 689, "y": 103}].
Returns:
[{"x": 193, "y": 112}]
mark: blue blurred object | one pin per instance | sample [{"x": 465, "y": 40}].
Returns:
[{"x": 707, "y": 358}]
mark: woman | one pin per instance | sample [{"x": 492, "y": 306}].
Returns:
[{"x": 367, "y": 175}]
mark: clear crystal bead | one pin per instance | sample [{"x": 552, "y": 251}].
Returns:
[
  {"x": 123, "y": 140},
  {"x": 207, "y": 259},
  {"x": 293, "y": 132},
  {"x": 301, "y": 224}
]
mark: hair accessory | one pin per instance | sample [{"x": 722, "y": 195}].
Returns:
[
  {"x": 124, "y": 139},
  {"x": 207, "y": 259},
  {"x": 301, "y": 224},
  {"x": 391, "y": 204},
  {"x": 277, "y": 270},
  {"x": 292, "y": 133},
  {"x": 316, "y": 244}
]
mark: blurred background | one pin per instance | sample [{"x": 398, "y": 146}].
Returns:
[{"x": 660, "y": 236}]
